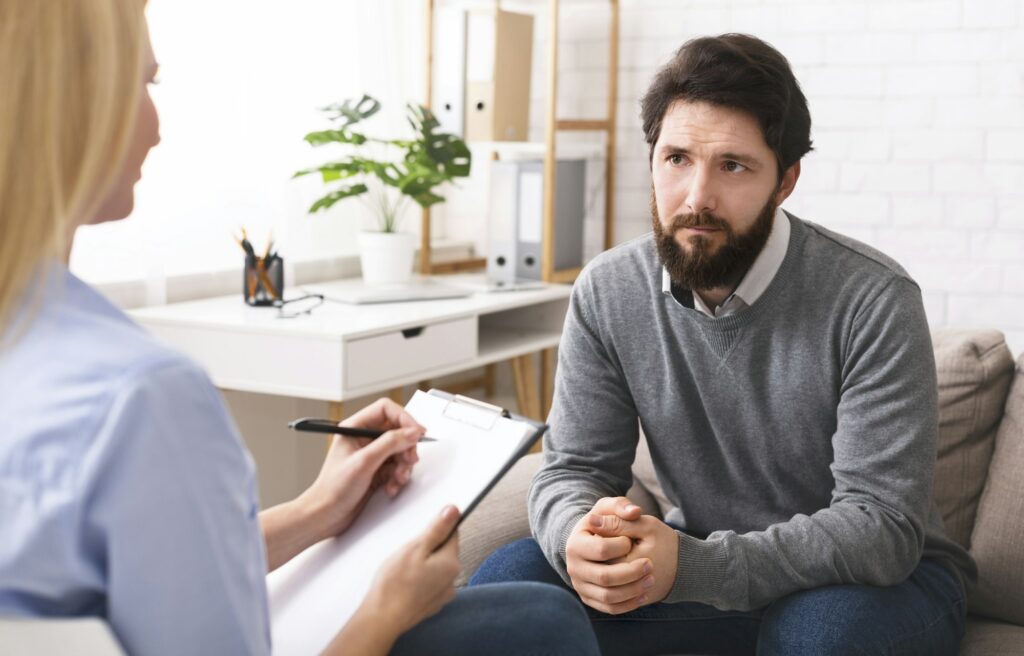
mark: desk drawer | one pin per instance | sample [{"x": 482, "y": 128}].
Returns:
[{"x": 406, "y": 352}]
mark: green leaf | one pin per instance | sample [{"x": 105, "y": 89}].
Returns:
[
  {"x": 447, "y": 153},
  {"x": 418, "y": 183},
  {"x": 389, "y": 174},
  {"x": 336, "y": 195},
  {"x": 322, "y": 137},
  {"x": 430, "y": 158},
  {"x": 451, "y": 154},
  {"x": 335, "y": 170},
  {"x": 352, "y": 111},
  {"x": 427, "y": 198}
]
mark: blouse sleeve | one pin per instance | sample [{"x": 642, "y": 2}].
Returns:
[{"x": 172, "y": 510}]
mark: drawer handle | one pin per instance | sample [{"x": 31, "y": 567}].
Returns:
[{"x": 409, "y": 333}]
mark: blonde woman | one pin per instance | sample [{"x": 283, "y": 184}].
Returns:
[{"x": 125, "y": 491}]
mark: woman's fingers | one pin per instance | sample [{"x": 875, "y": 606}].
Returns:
[
  {"x": 440, "y": 530},
  {"x": 382, "y": 414},
  {"x": 374, "y": 454}
]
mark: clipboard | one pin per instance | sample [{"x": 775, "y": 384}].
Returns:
[
  {"x": 457, "y": 400},
  {"x": 476, "y": 444}
]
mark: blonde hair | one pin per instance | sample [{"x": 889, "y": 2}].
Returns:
[{"x": 71, "y": 73}]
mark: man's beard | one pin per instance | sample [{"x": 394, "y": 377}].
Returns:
[{"x": 700, "y": 268}]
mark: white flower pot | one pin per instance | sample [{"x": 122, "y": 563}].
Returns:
[{"x": 386, "y": 257}]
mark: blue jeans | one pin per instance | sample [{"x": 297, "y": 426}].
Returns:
[
  {"x": 509, "y": 618},
  {"x": 923, "y": 615}
]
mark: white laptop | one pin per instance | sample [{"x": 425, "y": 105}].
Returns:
[
  {"x": 487, "y": 285},
  {"x": 357, "y": 292}
]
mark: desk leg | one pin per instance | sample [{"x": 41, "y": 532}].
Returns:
[
  {"x": 335, "y": 412},
  {"x": 527, "y": 393},
  {"x": 547, "y": 381},
  {"x": 543, "y": 399},
  {"x": 490, "y": 387}
]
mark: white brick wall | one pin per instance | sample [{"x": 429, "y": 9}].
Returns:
[{"x": 918, "y": 110}]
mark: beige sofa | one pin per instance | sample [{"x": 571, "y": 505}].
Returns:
[{"x": 979, "y": 484}]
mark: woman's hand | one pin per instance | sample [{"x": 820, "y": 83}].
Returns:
[
  {"x": 412, "y": 585},
  {"x": 354, "y": 467},
  {"x": 352, "y": 470},
  {"x": 417, "y": 581}
]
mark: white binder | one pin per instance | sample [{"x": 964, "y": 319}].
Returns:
[{"x": 449, "y": 79}]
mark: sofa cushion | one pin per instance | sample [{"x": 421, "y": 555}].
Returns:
[
  {"x": 997, "y": 542},
  {"x": 499, "y": 519},
  {"x": 974, "y": 370},
  {"x": 988, "y": 638}
]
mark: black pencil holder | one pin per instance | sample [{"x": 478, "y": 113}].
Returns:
[{"x": 264, "y": 280}]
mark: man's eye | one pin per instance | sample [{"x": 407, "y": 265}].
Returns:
[
  {"x": 675, "y": 160},
  {"x": 734, "y": 167}
]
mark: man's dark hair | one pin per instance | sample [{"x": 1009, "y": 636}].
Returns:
[{"x": 741, "y": 72}]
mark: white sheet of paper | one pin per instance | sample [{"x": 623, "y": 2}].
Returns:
[{"x": 315, "y": 594}]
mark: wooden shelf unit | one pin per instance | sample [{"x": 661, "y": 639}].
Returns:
[{"x": 552, "y": 126}]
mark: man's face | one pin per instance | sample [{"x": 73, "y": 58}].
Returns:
[{"x": 715, "y": 190}]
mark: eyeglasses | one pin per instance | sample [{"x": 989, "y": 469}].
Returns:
[{"x": 296, "y": 307}]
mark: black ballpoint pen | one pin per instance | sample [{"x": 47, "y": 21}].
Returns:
[{"x": 313, "y": 425}]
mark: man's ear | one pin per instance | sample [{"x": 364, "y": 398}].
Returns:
[{"x": 788, "y": 183}]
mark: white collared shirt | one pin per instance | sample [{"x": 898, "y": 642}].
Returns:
[{"x": 756, "y": 280}]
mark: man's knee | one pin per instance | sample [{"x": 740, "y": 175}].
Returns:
[
  {"x": 517, "y": 561},
  {"x": 820, "y": 621},
  {"x": 858, "y": 619}
]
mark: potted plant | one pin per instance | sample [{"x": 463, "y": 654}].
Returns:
[{"x": 417, "y": 165}]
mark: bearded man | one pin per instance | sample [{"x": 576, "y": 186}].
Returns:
[{"x": 783, "y": 376}]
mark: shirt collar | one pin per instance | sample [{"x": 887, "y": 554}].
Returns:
[{"x": 761, "y": 272}]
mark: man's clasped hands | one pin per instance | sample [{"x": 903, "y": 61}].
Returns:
[{"x": 620, "y": 559}]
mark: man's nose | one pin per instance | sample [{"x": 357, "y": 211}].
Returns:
[{"x": 701, "y": 195}]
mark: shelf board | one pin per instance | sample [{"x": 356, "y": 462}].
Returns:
[
  {"x": 536, "y": 149},
  {"x": 498, "y": 344},
  {"x": 578, "y": 125}
]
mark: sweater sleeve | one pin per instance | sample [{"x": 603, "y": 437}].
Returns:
[
  {"x": 589, "y": 451},
  {"x": 873, "y": 530}
]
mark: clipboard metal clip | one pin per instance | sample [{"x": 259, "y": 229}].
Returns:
[{"x": 475, "y": 413}]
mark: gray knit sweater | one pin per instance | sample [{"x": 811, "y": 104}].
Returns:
[{"x": 795, "y": 437}]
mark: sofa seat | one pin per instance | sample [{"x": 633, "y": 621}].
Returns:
[{"x": 987, "y": 637}]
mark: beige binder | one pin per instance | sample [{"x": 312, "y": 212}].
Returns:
[{"x": 499, "y": 60}]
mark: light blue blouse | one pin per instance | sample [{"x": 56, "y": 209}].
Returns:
[{"x": 125, "y": 490}]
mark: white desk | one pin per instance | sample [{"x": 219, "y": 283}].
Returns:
[{"x": 341, "y": 352}]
